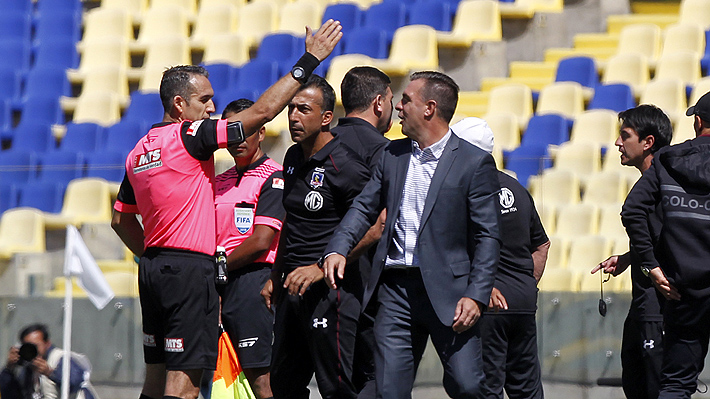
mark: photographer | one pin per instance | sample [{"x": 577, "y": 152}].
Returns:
[{"x": 34, "y": 369}]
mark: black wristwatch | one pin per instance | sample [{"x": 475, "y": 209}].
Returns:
[
  {"x": 320, "y": 261},
  {"x": 298, "y": 73}
]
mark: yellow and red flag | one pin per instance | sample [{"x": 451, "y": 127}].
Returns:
[{"x": 229, "y": 381}]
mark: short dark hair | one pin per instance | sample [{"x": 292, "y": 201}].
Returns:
[
  {"x": 325, "y": 88},
  {"x": 361, "y": 85},
  {"x": 237, "y": 106},
  {"x": 176, "y": 82},
  {"x": 648, "y": 120},
  {"x": 35, "y": 327},
  {"x": 440, "y": 88}
]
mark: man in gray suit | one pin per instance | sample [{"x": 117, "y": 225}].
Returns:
[{"x": 434, "y": 267}]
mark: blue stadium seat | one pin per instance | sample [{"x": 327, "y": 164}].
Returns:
[
  {"x": 705, "y": 60},
  {"x": 18, "y": 5},
  {"x": 42, "y": 109},
  {"x": 82, "y": 137},
  {"x": 15, "y": 54},
  {"x": 368, "y": 41},
  {"x": 349, "y": 15},
  {"x": 50, "y": 7},
  {"x": 616, "y": 97},
  {"x": 59, "y": 26},
  {"x": 122, "y": 137},
  {"x": 17, "y": 167},
  {"x": 15, "y": 25},
  {"x": 436, "y": 14},
  {"x": 582, "y": 70},
  {"x": 106, "y": 165},
  {"x": 234, "y": 93},
  {"x": 220, "y": 77},
  {"x": 30, "y": 136},
  {"x": 45, "y": 196},
  {"x": 46, "y": 81},
  {"x": 527, "y": 161},
  {"x": 5, "y": 115},
  {"x": 8, "y": 196},
  {"x": 545, "y": 130},
  {"x": 57, "y": 53},
  {"x": 257, "y": 76},
  {"x": 10, "y": 83},
  {"x": 145, "y": 107},
  {"x": 280, "y": 47},
  {"x": 388, "y": 15},
  {"x": 61, "y": 167}
]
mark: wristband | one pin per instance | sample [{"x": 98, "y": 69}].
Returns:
[{"x": 304, "y": 67}]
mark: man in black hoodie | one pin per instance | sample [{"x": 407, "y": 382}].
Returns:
[{"x": 678, "y": 180}]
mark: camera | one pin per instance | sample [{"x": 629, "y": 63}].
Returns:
[{"x": 28, "y": 352}]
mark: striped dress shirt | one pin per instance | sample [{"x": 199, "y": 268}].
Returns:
[{"x": 422, "y": 165}]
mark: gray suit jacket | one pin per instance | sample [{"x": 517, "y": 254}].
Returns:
[{"x": 458, "y": 244}]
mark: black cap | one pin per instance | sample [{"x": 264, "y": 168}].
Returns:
[{"x": 701, "y": 108}]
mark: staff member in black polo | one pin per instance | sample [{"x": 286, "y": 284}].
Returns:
[{"x": 315, "y": 327}]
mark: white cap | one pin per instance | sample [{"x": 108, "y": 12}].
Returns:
[{"x": 475, "y": 131}]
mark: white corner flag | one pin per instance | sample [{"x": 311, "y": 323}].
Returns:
[{"x": 78, "y": 261}]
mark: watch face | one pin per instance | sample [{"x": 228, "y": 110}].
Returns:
[{"x": 297, "y": 72}]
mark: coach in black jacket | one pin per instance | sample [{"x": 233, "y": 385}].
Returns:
[
  {"x": 678, "y": 179},
  {"x": 434, "y": 266}
]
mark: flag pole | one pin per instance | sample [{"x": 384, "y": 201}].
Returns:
[{"x": 68, "y": 305}]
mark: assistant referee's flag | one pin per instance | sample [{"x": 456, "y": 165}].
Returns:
[
  {"x": 79, "y": 262},
  {"x": 229, "y": 381}
]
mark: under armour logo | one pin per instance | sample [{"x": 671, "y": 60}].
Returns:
[
  {"x": 290, "y": 170},
  {"x": 649, "y": 344},
  {"x": 322, "y": 324}
]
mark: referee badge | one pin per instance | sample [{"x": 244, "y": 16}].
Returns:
[
  {"x": 243, "y": 218},
  {"x": 317, "y": 178}
]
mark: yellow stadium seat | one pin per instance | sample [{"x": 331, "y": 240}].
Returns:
[
  {"x": 583, "y": 159},
  {"x": 684, "y": 37},
  {"x": 558, "y": 253},
  {"x": 167, "y": 52},
  {"x": 585, "y": 252},
  {"x": 101, "y": 107},
  {"x": 629, "y": 68},
  {"x": 107, "y": 78},
  {"x": 118, "y": 265},
  {"x": 668, "y": 95},
  {"x": 235, "y": 3},
  {"x": 299, "y": 14},
  {"x": 518, "y": 9},
  {"x": 621, "y": 244},
  {"x": 395, "y": 132},
  {"x": 472, "y": 103},
  {"x": 559, "y": 280},
  {"x": 616, "y": 23},
  {"x": 551, "y": 6},
  {"x": 596, "y": 41},
  {"x": 701, "y": 87},
  {"x": 561, "y": 98},
  {"x": 150, "y": 80},
  {"x": 600, "y": 126},
  {"x": 600, "y": 55},
  {"x": 413, "y": 48},
  {"x": 135, "y": 8},
  {"x": 21, "y": 230},
  {"x": 506, "y": 131},
  {"x": 278, "y": 125},
  {"x": 513, "y": 98},
  {"x": 684, "y": 65},
  {"x": 113, "y": 52},
  {"x": 257, "y": 19},
  {"x": 340, "y": 65},
  {"x": 161, "y": 23},
  {"x": 622, "y": 283},
  {"x": 589, "y": 282},
  {"x": 577, "y": 220},
  {"x": 87, "y": 200},
  {"x": 547, "y": 215},
  {"x": 212, "y": 21},
  {"x": 108, "y": 22},
  {"x": 556, "y": 188},
  {"x": 226, "y": 49},
  {"x": 123, "y": 284},
  {"x": 605, "y": 188},
  {"x": 190, "y": 6},
  {"x": 683, "y": 129},
  {"x": 474, "y": 21},
  {"x": 610, "y": 224},
  {"x": 695, "y": 11},
  {"x": 644, "y": 39}
]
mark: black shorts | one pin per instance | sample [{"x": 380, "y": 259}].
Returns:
[
  {"x": 180, "y": 307},
  {"x": 246, "y": 318}
]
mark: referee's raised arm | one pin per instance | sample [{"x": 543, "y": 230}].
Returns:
[{"x": 275, "y": 98}]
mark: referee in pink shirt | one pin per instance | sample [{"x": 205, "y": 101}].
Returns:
[{"x": 169, "y": 182}]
